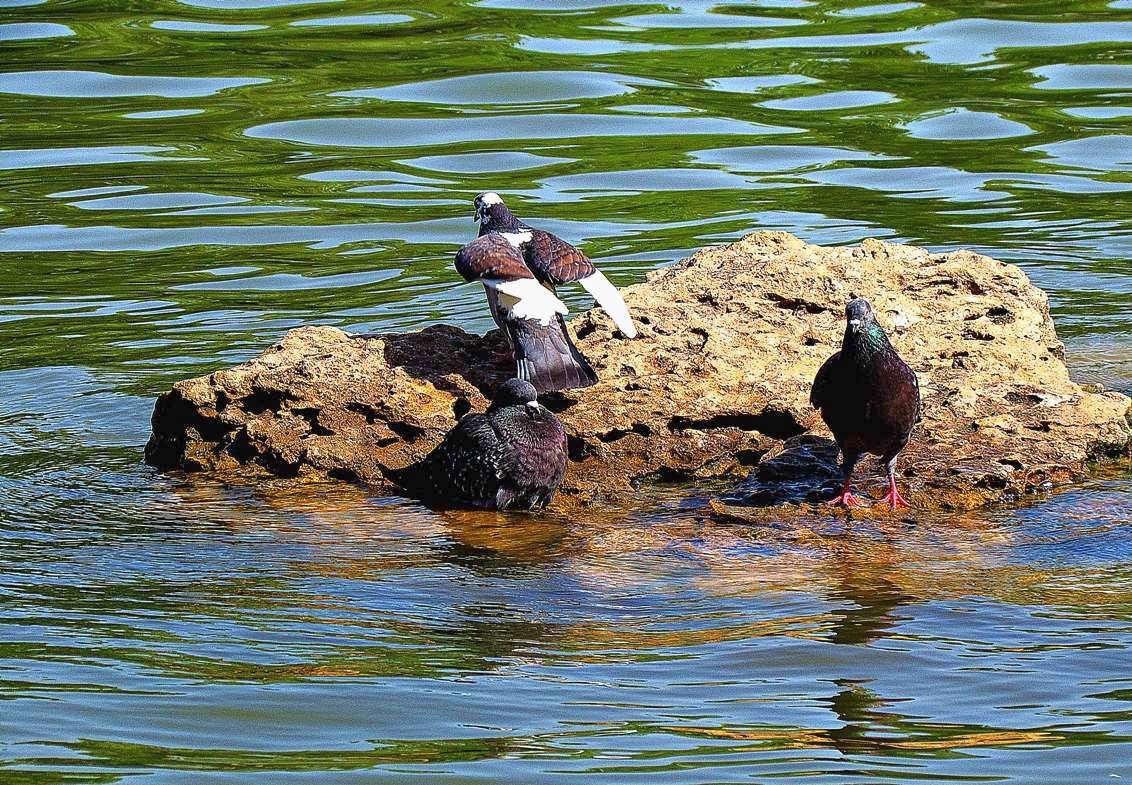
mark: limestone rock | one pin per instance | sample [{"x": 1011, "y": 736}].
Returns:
[{"x": 717, "y": 382}]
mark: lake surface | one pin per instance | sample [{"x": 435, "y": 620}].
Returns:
[{"x": 185, "y": 180}]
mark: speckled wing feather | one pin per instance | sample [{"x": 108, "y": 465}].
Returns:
[
  {"x": 490, "y": 256},
  {"x": 465, "y": 467}
]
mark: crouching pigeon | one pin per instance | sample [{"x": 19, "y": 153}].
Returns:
[
  {"x": 512, "y": 457},
  {"x": 869, "y": 398},
  {"x": 553, "y": 260},
  {"x": 528, "y": 313}
]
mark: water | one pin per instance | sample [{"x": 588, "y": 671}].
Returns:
[{"x": 184, "y": 181}]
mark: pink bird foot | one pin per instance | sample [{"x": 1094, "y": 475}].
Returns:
[
  {"x": 845, "y": 499},
  {"x": 894, "y": 499}
]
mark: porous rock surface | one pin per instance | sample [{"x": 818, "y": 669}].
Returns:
[{"x": 716, "y": 383}]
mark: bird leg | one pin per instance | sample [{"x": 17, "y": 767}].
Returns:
[
  {"x": 846, "y": 497},
  {"x": 894, "y": 499}
]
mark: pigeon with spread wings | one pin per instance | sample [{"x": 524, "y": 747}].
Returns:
[
  {"x": 529, "y": 314},
  {"x": 553, "y": 260}
]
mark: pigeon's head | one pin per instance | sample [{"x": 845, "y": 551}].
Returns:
[
  {"x": 515, "y": 392},
  {"x": 859, "y": 315},
  {"x": 492, "y": 213}
]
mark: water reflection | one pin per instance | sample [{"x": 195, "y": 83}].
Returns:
[{"x": 338, "y": 614}]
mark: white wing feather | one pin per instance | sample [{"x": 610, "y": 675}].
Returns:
[
  {"x": 611, "y": 301},
  {"x": 526, "y": 298}
]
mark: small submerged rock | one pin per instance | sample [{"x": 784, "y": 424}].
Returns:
[{"x": 716, "y": 384}]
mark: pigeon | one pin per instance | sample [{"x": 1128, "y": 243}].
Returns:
[
  {"x": 511, "y": 457},
  {"x": 869, "y": 398},
  {"x": 553, "y": 260},
  {"x": 528, "y": 313}
]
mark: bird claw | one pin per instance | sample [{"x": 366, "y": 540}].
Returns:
[
  {"x": 846, "y": 499},
  {"x": 894, "y": 500}
]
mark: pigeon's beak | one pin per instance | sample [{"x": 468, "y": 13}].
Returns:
[
  {"x": 855, "y": 325},
  {"x": 534, "y": 408},
  {"x": 478, "y": 215}
]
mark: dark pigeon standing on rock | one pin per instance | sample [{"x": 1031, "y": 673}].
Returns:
[
  {"x": 869, "y": 398},
  {"x": 553, "y": 260},
  {"x": 512, "y": 457},
  {"x": 528, "y": 313}
]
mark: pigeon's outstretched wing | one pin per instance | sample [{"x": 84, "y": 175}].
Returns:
[
  {"x": 490, "y": 256},
  {"x": 554, "y": 261},
  {"x": 514, "y": 292}
]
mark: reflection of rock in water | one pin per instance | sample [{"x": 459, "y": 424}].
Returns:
[
  {"x": 856, "y": 707},
  {"x": 505, "y": 542}
]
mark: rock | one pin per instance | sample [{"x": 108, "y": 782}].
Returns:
[{"x": 717, "y": 383}]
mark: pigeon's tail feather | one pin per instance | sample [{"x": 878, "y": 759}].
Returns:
[{"x": 547, "y": 358}]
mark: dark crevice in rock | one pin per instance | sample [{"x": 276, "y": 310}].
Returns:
[
  {"x": 749, "y": 457},
  {"x": 668, "y": 474},
  {"x": 241, "y": 447},
  {"x": 409, "y": 433},
  {"x": 371, "y": 414},
  {"x": 616, "y": 434},
  {"x": 557, "y": 402},
  {"x": 1000, "y": 315},
  {"x": 578, "y": 449},
  {"x": 775, "y": 424},
  {"x": 175, "y": 420},
  {"x": 585, "y": 330},
  {"x": 261, "y": 401},
  {"x": 993, "y": 482},
  {"x": 278, "y": 466},
  {"x": 344, "y": 474},
  {"x": 702, "y": 334},
  {"x": 795, "y": 304},
  {"x": 460, "y": 407}
]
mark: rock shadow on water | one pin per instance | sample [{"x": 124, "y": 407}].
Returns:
[
  {"x": 803, "y": 471},
  {"x": 798, "y": 479}
]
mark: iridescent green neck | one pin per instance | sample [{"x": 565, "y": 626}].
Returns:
[{"x": 868, "y": 341}]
